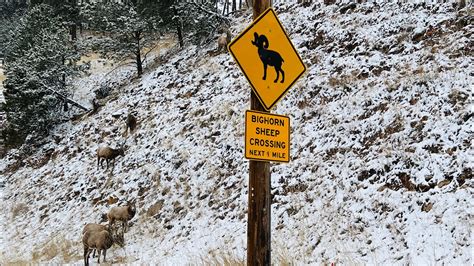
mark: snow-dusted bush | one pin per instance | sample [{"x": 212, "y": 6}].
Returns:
[{"x": 38, "y": 62}]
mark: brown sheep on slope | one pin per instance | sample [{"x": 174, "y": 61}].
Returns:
[
  {"x": 95, "y": 228},
  {"x": 131, "y": 124},
  {"x": 223, "y": 40},
  {"x": 99, "y": 240},
  {"x": 109, "y": 154},
  {"x": 122, "y": 214}
]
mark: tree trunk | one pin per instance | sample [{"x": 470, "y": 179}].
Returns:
[
  {"x": 249, "y": 3},
  {"x": 138, "y": 55},
  {"x": 73, "y": 32},
  {"x": 73, "y": 29},
  {"x": 180, "y": 36},
  {"x": 66, "y": 99},
  {"x": 178, "y": 28},
  {"x": 63, "y": 77},
  {"x": 234, "y": 5},
  {"x": 223, "y": 9},
  {"x": 259, "y": 6}
]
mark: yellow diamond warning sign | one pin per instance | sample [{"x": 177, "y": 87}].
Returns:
[
  {"x": 268, "y": 58},
  {"x": 267, "y": 137}
]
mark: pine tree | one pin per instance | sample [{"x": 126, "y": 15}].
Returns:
[
  {"x": 10, "y": 13},
  {"x": 38, "y": 61},
  {"x": 199, "y": 22},
  {"x": 127, "y": 29},
  {"x": 66, "y": 10},
  {"x": 11, "y": 8}
]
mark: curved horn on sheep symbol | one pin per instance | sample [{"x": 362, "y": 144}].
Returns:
[{"x": 268, "y": 57}]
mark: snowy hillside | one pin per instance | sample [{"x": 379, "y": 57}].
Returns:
[{"x": 382, "y": 152}]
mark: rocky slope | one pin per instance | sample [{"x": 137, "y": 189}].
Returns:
[{"x": 381, "y": 169}]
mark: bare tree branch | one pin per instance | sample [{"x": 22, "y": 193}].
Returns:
[
  {"x": 74, "y": 103},
  {"x": 149, "y": 51},
  {"x": 226, "y": 20}
]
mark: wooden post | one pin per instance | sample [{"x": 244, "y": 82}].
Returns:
[{"x": 259, "y": 209}]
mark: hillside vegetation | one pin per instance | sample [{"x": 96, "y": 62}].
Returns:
[{"x": 381, "y": 146}]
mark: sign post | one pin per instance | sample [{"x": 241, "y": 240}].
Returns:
[
  {"x": 259, "y": 205},
  {"x": 271, "y": 64}
]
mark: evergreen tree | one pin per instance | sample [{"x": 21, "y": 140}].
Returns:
[
  {"x": 66, "y": 10},
  {"x": 38, "y": 61},
  {"x": 199, "y": 22},
  {"x": 10, "y": 8},
  {"x": 127, "y": 28},
  {"x": 6, "y": 27},
  {"x": 10, "y": 13}
]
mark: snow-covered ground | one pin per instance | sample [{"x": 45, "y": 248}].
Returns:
[
  {"x": 106, "y": 72},
  {"x": 382, "y": 152}
]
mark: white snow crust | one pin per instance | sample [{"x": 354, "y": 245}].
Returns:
[{"x": 381, "y": 146}]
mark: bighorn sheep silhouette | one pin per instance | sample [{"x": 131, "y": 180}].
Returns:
[{"x": 268, "y": 57}]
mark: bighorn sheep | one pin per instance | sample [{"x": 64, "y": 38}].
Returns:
[
  {"x": 268, "y": 57},
  {"x": 94, "y": 228},
  {"x": 100, "y": 240},
  {"x": 123, "y": 214},
  {"x": 130, "y": 124},
  {"x": 107, "y": 153},
  {"x": 223, "y": 40}
]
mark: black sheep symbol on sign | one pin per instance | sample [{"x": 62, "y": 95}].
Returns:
[{"x": 268, "y": 57}]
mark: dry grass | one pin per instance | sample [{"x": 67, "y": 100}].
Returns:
[
  {"x": 342, "y": 80},
  {"x": 282, "y": 257},
  {"x": 68, "y": 252},
  {"x": 281, "y": 254},
  {"x": 226, "y": 257},
  {"x": 17, "y": 263},
  {"x": 18, "y": 209},
  {"x": 58, "y": 246},
  {"x": 223, "y": 257}
]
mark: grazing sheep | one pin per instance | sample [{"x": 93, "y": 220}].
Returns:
[
  {"x": 100, "y": 240},
  {"x": 123, "y": 214},
  {"x": 107, "y": 153},
  {"x": 95, "y": 228},
  {"x": 268, "y": 57}
]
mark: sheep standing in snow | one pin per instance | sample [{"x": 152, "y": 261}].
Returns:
[
  {"x": 107, "y": 153},
  {"x": 130, "y": 124},
  {"x": 122, "y": 214},
  {"x": 99, "y": 240},
  {"x": 223, "y": 40},
  {"x": 94, "y": 228}
]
